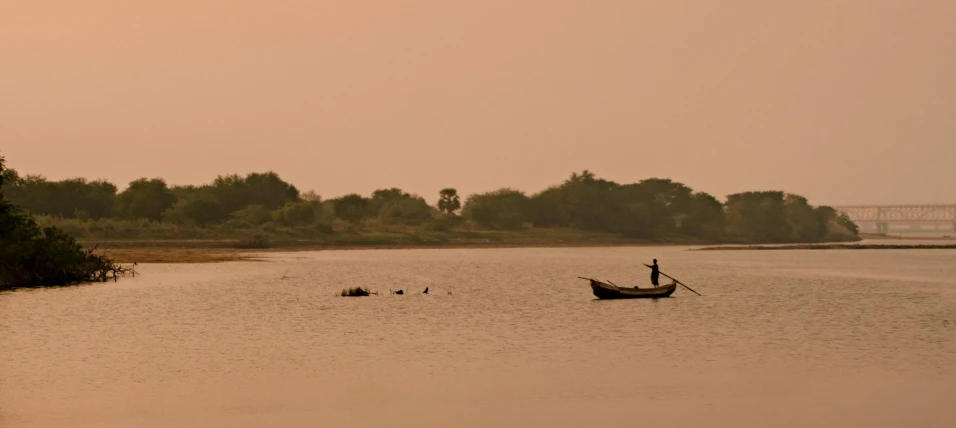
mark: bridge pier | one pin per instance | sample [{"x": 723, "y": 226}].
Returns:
[{"x": 882, "y": 227}]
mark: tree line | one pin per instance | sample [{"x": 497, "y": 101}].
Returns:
[
  {"x": 650, "y": 208},
  {"x": 661, "y": 207}
]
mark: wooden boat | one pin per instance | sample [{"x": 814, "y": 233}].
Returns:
[{"x": 608, "y": 291}]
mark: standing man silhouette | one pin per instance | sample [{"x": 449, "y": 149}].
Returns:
[{"x": 655, "y": 272}]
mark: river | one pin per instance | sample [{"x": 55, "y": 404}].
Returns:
[{"x": 505, "y": 338}]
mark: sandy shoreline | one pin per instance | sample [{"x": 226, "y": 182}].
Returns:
[
  {"x": 127, "y": 252},
  {"x": 213, "y": 251}
]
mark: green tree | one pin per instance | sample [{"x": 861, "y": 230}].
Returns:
[
  {"x": 67, "y": 198},
  {"x": 97, "y": 198},
  {"x": 546, "y": 208},
  {"x": 448, "y": 201},
  {"x": 805, "y": 223},
  {"x": 310, "y": 196},
  {"x": 8, "y": 176},
  {"x": 267, "y": 189},
  {"x": 231, "y": 192},
  {"x": 639, "y": 214},
  {"x": 411, "y": 211},
  {"x": 145, "y": 198},
  {"x": 844, "y": 221},
  {"x": 294, "y": 214},
  {"x": 200, "y": 210},
  {"x": 32, "y": 193},
  {"x": 673, "y": 197},
  {"x": 706, "y": 218},
  {"x": 501, "y": 209},
  {"x": 585, "y": 201},
  {"x": 839, "y": 227},
  {"x": 350, "y": 208},
  {"x": 757, "y": 217},
  {"x": 589, "y": 202},
  {"x": 252, "y": 215},
  {"x": 382, "y": 197}
]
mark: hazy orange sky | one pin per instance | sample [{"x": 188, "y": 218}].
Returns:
[{"x": 841, "y": 101}]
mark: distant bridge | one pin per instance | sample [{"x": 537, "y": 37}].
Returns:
[{"x": 940, "y": 217}]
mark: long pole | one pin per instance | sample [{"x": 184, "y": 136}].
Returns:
[
  {"x": 681, "y": 283},
  {"x": 675, "y": 280}
]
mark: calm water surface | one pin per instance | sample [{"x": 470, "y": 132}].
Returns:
[{"x": 506, "y": 337}]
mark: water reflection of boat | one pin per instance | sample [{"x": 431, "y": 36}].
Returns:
[{"x": 608, "y": 291}]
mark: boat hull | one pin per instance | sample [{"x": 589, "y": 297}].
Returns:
[{"x": 608, "y": 291}]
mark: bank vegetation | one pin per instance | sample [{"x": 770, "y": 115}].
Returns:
[
  {"x": 34, "y": 256},
  {"x": 261, "y": 210}
]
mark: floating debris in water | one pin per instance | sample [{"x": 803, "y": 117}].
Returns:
[{"x": 355, "y": 292}]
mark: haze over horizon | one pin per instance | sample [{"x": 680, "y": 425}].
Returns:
[{"x": 843, "y": 102}]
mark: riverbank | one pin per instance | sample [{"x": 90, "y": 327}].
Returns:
[
  {"x": 224, "y": 250},
  {"x": 828, "y": 247},
  {"x": 211, "y": 251}
]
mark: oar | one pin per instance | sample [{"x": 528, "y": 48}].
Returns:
[
  {"x": 675, "y": 280},
  {"x": 681, "y": 283}
]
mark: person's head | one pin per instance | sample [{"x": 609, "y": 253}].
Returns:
[{"x": 655, "y": 261}]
